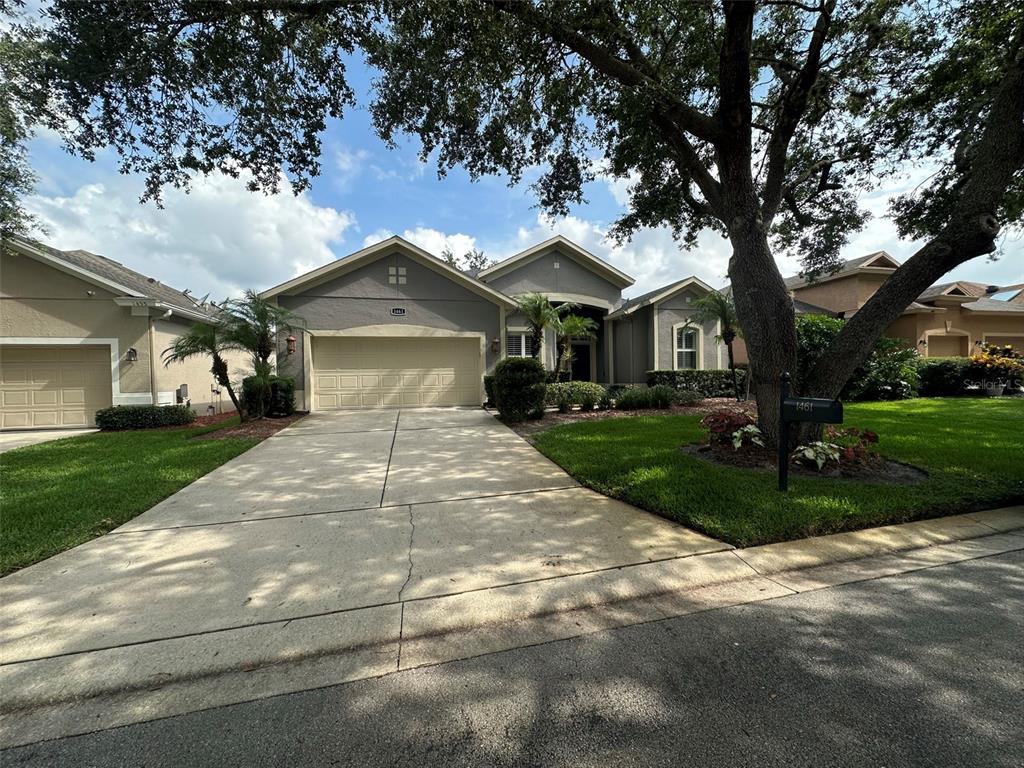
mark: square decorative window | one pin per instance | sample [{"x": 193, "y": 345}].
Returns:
[
  {"x": 396, "y": 275},
  {"x": 517, "y": 344},
  {"x": 686, "y": 348}
]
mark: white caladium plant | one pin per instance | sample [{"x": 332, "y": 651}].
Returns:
[
  {"x": 748, "y": 433},
  {"x": 817, "y": 452}
]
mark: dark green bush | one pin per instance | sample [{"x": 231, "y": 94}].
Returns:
[
  {"x": 144, "y": 416},
  {"x": 633, "y": 399},
  {"x": 519, "y": 388},
  {"x": 715, "y": 382},
  {"x": 661, "y": 396},
  {"x": 943, "y": 376},
  {"x": 579, "y": 393},
  {"x": 489, "y": 389},
  {"x": 274, "y": 397},
  {"x": 889, "y": 373},
  {"x": 687, "y": 397}
]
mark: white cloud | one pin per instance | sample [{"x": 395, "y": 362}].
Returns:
[
  {"x": 220, "y": 238},
  {"x": 348, "y": 165},
  {"x": 431, "y": 240}
]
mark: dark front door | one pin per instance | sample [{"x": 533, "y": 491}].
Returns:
[{"x": 581, "y": 361}]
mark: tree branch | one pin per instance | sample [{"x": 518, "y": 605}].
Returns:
[
  {"x": 687, "y": 117},
  {"x": 794, "y": 104}
]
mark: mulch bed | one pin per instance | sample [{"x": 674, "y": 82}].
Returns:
[
  {"x": 260, "y": 428},
  {"x": 881, "y": 471},
  {"x": 553, "y": 418}
]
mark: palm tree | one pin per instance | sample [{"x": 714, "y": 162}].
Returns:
[
  {"x": 718, "y": 307},
  {"x": 206, "y": 340},
  {"x": 540, "y": 314},
  {"x": 566, "y": 329},
  {"x": 252, "y": 323}
]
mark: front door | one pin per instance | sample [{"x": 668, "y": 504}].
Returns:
[{"x": 581, "y": 361}]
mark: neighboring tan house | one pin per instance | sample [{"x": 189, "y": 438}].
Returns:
[
  {"x": 950, "y": 319},
  {"x": 79, "y": 332},
  {"x": 392, "y": 325}
]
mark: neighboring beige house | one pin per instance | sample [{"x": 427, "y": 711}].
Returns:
[
  {"x": 80, "y": 332},
  {"x": 950, "y": 319}
]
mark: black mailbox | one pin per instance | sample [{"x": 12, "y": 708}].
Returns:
[{"x": 818, "y": 410}]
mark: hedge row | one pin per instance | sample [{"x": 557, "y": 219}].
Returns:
[
  {"x": 716, "y": 382},
  {"x": 585, "y": 394},
  {"x": 144, "y": 416}
]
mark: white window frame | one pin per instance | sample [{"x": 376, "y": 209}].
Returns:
[
  {"x": 397, "y": 275},
  {"x": 524, "y": 334},
  {"x": 698, "y": 348}
]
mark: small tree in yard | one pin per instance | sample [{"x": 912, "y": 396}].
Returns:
[
  {"x": 540, "y": 315},
  {"x": 206, "y": 340},
  {"x": 568, "y": 328},
  {"x": 762, "y": 120},
  {"x": 718, "y": 307},
  {"x": 252, "y": 324}
]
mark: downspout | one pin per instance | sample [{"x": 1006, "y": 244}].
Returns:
[{"x": 152, "y": 361}]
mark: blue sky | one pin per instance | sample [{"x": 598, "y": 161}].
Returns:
[{"x": 221, "y": 239}]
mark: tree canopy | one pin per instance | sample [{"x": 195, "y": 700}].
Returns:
[{"x": 763, "y": 120}]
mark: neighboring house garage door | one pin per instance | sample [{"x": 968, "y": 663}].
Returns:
[
  {"x": 389, "y": 372},
  {"x": 53, "y": 386},
  {"x": 1017, "y": 342}
]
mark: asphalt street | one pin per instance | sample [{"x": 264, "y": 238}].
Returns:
[{"x": 921, "y": 669}]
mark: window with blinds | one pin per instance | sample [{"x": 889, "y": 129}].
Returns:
[
  {"x": 517, "y": 344},
  {"x": 686, "y": 348}
]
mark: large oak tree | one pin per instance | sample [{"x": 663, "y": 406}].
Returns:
[{"x": 761, "y": 120}]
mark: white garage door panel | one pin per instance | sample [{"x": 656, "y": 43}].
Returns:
[
  {"x": 394, "y": 372},
  {"x": 53, "y": 386}
]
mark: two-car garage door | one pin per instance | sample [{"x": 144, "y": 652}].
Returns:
[
  {"x": 53, "y": 386},
  {"x": 380, "y": 372}
]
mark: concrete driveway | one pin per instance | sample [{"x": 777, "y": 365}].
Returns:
[
  {"x": 19, "y": 439},
  {"x": 318, "y": 536}
]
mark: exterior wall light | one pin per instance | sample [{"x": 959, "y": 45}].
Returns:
[
  {"x": 132, "y": 355},
  {"x": 291, "y": 345},
  {"x": 495, "y": 345}
]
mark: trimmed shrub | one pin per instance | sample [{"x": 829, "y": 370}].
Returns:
[
  {"x": 575, "y": 392},
  {"x": 687, "y": 397},
  {"x": 661, "y": 396},
  {"x": 642, "y": 398},
  {"x": 943, "y": 376},
  {"x": 489, "y": 390},
  {"x": 632, "y": 399},
  {"x": 144, "y": 417},
  {"x": 889, "y": 373},
  {"x": 715, "y": 382},
  {"x": 519, "y": 388},
  {"x": 277, "y": 403}
]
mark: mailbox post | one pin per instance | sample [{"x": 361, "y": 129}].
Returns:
[{"x": 814, "y": 409}]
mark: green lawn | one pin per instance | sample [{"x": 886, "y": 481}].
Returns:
[
  {"x": 972, "y": 449},
  {"x": 57, "y": 495}
]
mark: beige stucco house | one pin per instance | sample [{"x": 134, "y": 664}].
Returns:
[
  {"x": 79, "y": 332},
  {"x": 949, "y": 319}
]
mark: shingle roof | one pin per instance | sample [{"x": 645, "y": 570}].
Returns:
[
  {"x": 116, "y": 272},
  {"x": 969, "y": 288},
  {"x": 994, "y": 305},
  {"x": 849, "y": 266}
]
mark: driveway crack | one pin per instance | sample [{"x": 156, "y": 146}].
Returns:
[{"x": 412, "y": 537}]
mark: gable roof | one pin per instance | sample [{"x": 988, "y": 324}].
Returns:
[
  {"x": 994, "y": 305},
  {"x": 957, "y": 289},
  {"x": 585, "y": 257},
  {"x": 658, "y": 295},
  {"x": 112, "y": 276},
  {"x": 879, "y": 260},
  {"x": 376, "y": 251}
]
